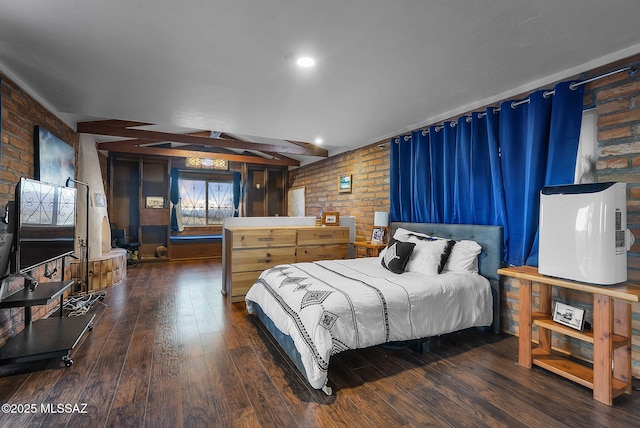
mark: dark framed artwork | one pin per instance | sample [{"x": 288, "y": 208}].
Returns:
[{"x": 55, "y": 160}]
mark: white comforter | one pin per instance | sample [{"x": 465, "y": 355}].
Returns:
[{"x": 332, "y": 306}]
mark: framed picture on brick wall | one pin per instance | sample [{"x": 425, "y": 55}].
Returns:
[
  {"x": 55, "y": 160},
  {"x": 344, "y": 184}
]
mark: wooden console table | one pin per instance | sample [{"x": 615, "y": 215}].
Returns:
[{"x": 611, "y": 334}]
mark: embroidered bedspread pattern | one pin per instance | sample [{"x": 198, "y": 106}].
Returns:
[{"x": 331, "y": 306}]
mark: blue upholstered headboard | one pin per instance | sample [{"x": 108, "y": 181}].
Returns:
[{"x": 490, "y": 260}]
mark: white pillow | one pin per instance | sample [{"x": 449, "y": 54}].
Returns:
[
  {"x": 429, "y": 256},
  {"x": 404, "y": 234},
  {"x": 463, "y": 257}
]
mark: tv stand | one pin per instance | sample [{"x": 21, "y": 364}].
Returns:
[{"x": 44, "y": 338}]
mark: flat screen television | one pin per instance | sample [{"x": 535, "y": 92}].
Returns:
[{"x": 46, "y": 221}]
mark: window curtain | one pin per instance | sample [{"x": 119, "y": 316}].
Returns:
[
  {"x": 174, "y": 196},
  {"x": 489, "y": 168},
  {"x": 236, "y": 194}
]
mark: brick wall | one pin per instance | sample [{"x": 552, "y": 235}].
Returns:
[
  {"x": 369, "y": 168},
  {"x": 20, "y": 114},
  {"x": 617, "y": 102}
]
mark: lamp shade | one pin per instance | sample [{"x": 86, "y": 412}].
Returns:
[{"x": 381, "y": 219}]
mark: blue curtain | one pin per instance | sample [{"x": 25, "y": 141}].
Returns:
[
  {"x": 236, "y": 194},
  {"x": 175, "y": 198},
  {"x": 490, "y": 169},
  {"x": 564, "y": 136},
  {"x": 463, "y": 212},
  {"x": 395, "y": 203},
  {"x": 489, "y": 198},
  {"x": 449, "y": 170},
  {"x": 437, "y": 173},
  {"x": 524, "y": 142},
  {"x": 421, "y": 178}
]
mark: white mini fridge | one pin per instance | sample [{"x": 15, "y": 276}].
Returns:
[{"x": 583, "y": 232}]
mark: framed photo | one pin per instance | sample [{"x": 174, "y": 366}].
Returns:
[
  {"x": 569, "y": 316},
  {"x": 344, "y": 184},
  {"x": 55, "y": 160},
  {"x": 377, "y": 235},
  {"x": 154, "y": 202},
  {"x": 100, "y": 199},
  {"x": 331, "y": 218}
]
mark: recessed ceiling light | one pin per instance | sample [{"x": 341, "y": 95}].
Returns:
[
  {"x": 318, "y": 140},
  {"x": 306, "y": 62}
]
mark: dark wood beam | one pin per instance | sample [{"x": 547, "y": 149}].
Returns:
[
  {"x": 108, "y": 128},
  {"x": 181, "y": 153},
  {"x": 280, "y": 156}
]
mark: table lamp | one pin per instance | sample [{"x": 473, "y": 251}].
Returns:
[{"x": 380, "y": 225}]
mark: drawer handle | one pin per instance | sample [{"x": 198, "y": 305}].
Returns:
[
  {"x": 265, "y": 239},
  {"x": 325, "y": 236},
  {"x": 267, "y": 260}
]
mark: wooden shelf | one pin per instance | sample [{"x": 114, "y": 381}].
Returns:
[
  {"x": 545, "y": 321},
  {"x": 573, "y": 371},
  {"x": 610, "y": 337},
  {"x": 562, "y": 366}
]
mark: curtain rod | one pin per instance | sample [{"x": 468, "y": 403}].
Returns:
[{"x": 633, "y": 70}]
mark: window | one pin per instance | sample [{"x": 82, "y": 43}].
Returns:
[
  {"x": 587, "y": 148},
  {"x": 205, "y": 201}
]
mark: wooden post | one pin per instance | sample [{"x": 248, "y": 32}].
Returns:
[
  {"x": 622, "y": 355},
  {"x": 602, "y": 348},
  {"x": 544, "y": 307},
  {"x": 524, "y": 339}
]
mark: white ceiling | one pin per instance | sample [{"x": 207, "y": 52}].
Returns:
[{"x": 383, "y": 66}]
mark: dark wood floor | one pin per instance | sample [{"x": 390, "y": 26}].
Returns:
[{"x": 167, "y": 351}]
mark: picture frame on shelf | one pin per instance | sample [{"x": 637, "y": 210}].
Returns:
[
  {"x": 377, "y": 236},
  {"x": 569, "y": 316},
  {"x": 330, "y": 218},
  {"x": 154, "y": 202},
  {"x": 344, "y": 184}
]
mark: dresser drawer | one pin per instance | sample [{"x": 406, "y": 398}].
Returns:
[
  {"x": 263, "y": 237},
  {"x": 312, "y": 253},
  {"x": 323, "y": 235},
  {"x": 259, "y": 259},
  {"x": 241, "y": 282}
]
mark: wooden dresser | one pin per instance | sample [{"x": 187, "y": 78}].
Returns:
[{"x": 250, "y": 250}]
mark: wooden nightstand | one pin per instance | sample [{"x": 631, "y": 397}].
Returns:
[{"x": 371, "y": 249}]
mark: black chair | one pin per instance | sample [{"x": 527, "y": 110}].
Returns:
[{"x": 119, "y": 240}]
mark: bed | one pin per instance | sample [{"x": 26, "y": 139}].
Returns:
[{"x": 318, "y": 309}]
